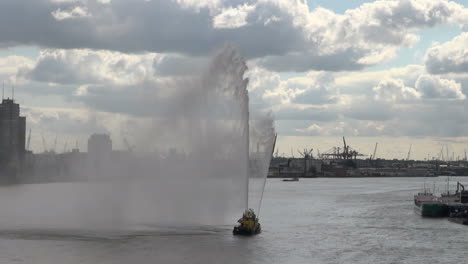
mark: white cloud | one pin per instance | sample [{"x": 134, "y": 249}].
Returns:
[
  {"x": 76, "y": 12},
  {"x": 315, "y": 88},
  {"x": 434, "y": 87},
  {"x": 88, "y": 66},
  {"x": 395, "y": 90},
  {"x": 9, "y": 66},
  {"x": 233, "y": 17},
  {"x": 360, "y": 37},
  {"x": 451, "y": 56}
]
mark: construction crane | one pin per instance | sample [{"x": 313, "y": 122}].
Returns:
[
  {"x": 375, "y": 150},
  {"x": 29, "y": 140},
  {"x": 409, "y": 152}
]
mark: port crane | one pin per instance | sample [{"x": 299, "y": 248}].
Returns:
[
  {"x": 346, "y": 153},
  {"x": 409, "y": 152},
  {"x": 375, "y": 151}
]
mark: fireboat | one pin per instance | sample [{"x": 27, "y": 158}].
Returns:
[{"x": 248, "y": 224}]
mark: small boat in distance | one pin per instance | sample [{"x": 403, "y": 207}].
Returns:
[{"x": 290, "y": 180}]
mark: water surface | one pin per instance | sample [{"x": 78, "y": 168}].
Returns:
[{"x": 365, "y": 220}]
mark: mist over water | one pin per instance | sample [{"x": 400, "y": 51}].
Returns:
[{"x": 200, "y": 161}]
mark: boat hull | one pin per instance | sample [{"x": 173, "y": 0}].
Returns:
[
  {"x": 461, "y": 221},
  {"x": 431, "y": 209},
  {"x": 240, "y": 231},
  {"x": 291, "y": 180}
]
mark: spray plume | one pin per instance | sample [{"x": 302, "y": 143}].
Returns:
[{"x": 208, "y": 163}]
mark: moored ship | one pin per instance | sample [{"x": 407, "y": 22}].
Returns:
[
  {"x": 458, "y": 209},
  {"x": 426, "y": 204}
]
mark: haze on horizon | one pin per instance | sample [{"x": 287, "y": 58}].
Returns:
[{"x": 395, "y": 72}]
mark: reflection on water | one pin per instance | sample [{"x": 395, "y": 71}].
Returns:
[{"x": 310, "y": 221}]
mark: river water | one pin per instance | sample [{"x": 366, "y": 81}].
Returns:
[{"x": 361, "y": 220}]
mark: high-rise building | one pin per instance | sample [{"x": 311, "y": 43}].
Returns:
[{"x": 12, "y": 131}]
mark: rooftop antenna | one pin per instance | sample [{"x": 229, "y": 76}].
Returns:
[
  {"x": 13, "y": 92},
  {"x": 3, "y": 90}
]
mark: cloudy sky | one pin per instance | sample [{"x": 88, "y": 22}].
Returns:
[{"x": 393, "y": 72}]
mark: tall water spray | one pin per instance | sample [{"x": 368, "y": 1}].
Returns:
[{"x": 210, "y": 164}]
